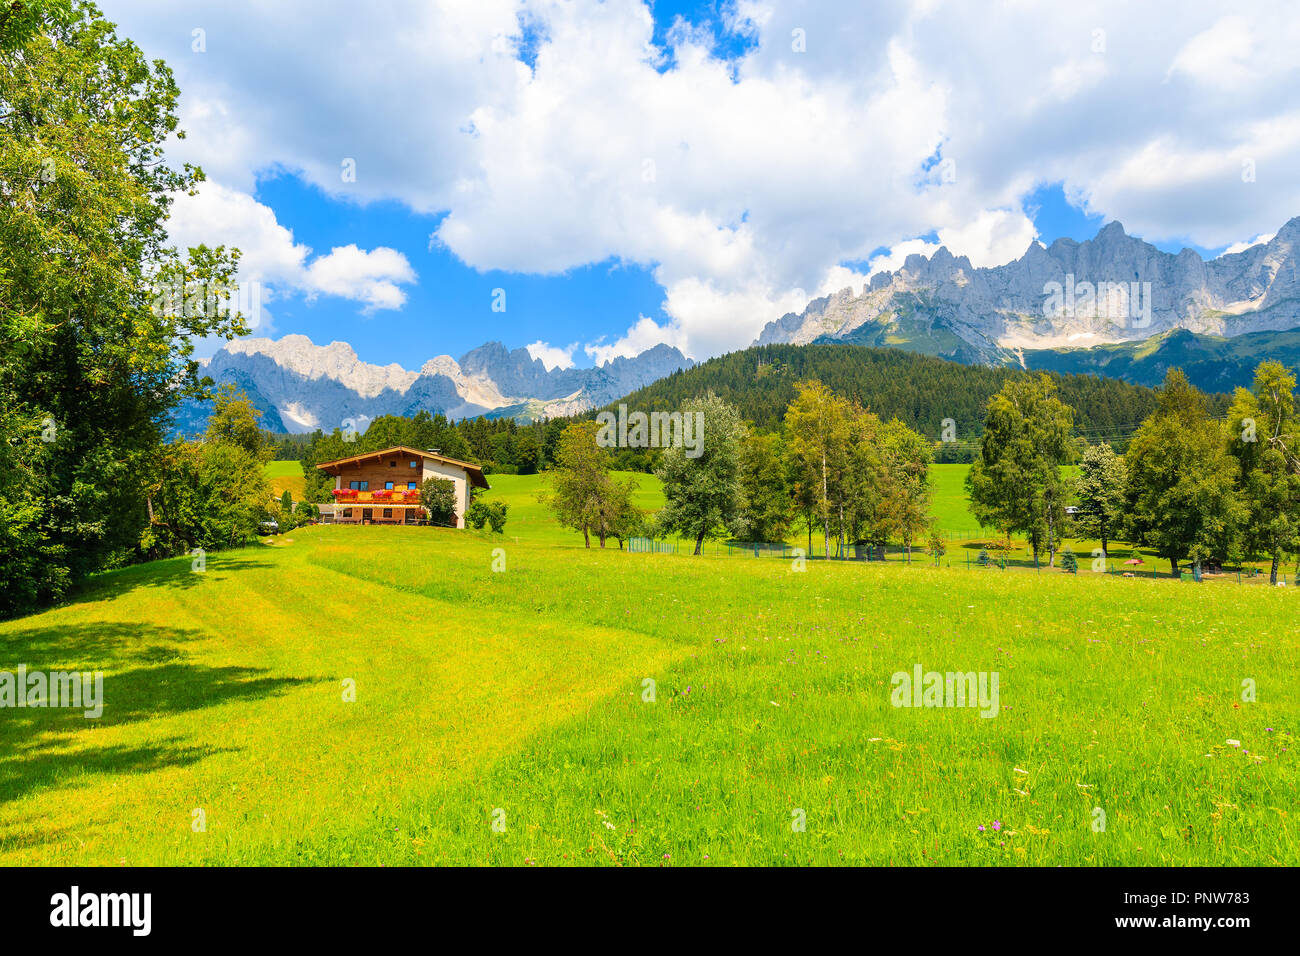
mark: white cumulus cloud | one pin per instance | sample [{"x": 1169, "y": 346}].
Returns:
[
  {"x": 552, "y": 356},
  {"x": 219, "y": 215},
  {"x": 742, "y": 184}
]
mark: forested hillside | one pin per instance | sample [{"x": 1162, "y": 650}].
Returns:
[
  {"x": 920, "y": 390},
  {"x": 1211, "y": 362}
]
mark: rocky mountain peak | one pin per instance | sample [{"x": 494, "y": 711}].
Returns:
[
  {"x": 300, "y": 386},
  {"x": 940, "y": 304}
]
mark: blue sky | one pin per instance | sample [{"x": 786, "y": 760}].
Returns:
[
  {"x": 686, "y": 172},
  {"x": 449, "y": 310}
]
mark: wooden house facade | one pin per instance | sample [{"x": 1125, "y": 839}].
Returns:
[{"x": 383, "y": 487}]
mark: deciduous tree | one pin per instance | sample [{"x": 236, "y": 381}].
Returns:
[
  {"x": 767, "y": 507},
  {"x": 580, "y": 484},
  {"x": 1015, "y": 484},
  {"x": 817, "y": 426},
  {"x": 1182, "y": 497},
  {"x": 1264, "y": 437},
  {"x": 703, "y": 493},
  {"x": 905, "y": 458},
  {"x": 89, "y": 360},
  {"x": 1102, "y": 488}
]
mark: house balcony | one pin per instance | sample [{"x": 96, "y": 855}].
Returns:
[{"x": 383, "y": 497}]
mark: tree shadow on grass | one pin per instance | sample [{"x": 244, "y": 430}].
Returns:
[
  {"x": 147, "y": 677},
  {"x": 171, "y": 574},
  {"x": 106, "y": 646},
  {"x": 54, "y": 766}
]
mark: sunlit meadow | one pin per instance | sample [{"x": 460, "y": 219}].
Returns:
[{"x": 600, "y": 707}]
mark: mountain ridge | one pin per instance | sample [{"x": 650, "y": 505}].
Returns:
[
  {"x": 941, "y": 305},
  {"x": 300, "y": 386}
]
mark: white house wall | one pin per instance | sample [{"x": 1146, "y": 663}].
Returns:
[{"x": 457, "y": 476}]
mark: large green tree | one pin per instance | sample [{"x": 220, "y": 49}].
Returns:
[
  {"x": 858, "y": 506},
  {"x": 210, "y": 495},
  {"x": 819, "y": 437},
  {"x": 583, "y": 496},
  {"x": 1016, "y": 484},
  {"x": 905, "y": 491},
  {"x": 1101, "y": 486},
  {"x": 1182, "y": 498},
  {"x": 703, "y": 492},
  {"x": 767, "y": 497},
  {"x": 1264, "y": 437},
  {"x": 90, "y": 365},
  {"x": 213, "y": 493}
]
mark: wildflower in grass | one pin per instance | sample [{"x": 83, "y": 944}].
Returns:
[
  {"x": 997, "y": 824},
  {"x": 980, "y": 828}
]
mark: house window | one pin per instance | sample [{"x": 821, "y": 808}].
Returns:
[
  {"x": 392, "y": 464},
  {"x": 410, "y": 485},
  {"x": 388, "y": 512},
  {"x": 388, "y": 486},
  {"x": 359, "y": 485},
  {"x": 412, "y": 463},
  {"x": 347, "y": 512}
]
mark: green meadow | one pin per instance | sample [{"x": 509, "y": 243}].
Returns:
[
  {"x": 531, "y": 521},
  {"x": 382, "y": 695},
  {"x": 285, "y": 476}
]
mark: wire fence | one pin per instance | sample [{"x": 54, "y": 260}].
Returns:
[
  {"x": 983, "y": 560},
  {"x": 651, "y": 546}
]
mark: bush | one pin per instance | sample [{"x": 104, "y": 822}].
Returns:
[
  {"x": 493, "y": 515},
  {"x": 439, "y": 497},
  {"x": 936, "y": 545},
  {"x": 1069, "y": 562}
]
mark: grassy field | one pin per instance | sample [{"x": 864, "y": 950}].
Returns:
[
  {"x": 502, "y": 717},
  {"x": 950, "y": 504},
  {"x": 286, "y": 476},
  {"x": 531, "y": 521}
]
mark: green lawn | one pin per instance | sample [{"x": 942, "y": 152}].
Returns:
[
  {"x": 518, "y": 698},
  {"x": 286, "y": 476},
  {"x": 950, "y": 504},
  {"x": 530, "y": 520}
]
